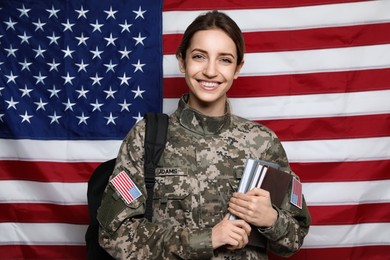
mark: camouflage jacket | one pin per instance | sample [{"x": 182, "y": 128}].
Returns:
[{"x": 200, "y": 168}]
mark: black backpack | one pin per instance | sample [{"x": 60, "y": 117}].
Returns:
[{"x": 154, "y": 144}]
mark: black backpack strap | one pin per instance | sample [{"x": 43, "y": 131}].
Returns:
[{"x": 155, "y": 139}]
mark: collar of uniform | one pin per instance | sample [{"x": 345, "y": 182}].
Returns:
[{"x": 199, "y": 123}]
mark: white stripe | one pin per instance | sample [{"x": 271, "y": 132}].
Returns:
[
  {"x": 305, "y": 106},
  {"x": 43, "y": 192},
  {"x": 58, "y": 150},
  {"x": 42, "y": 234},
  {"x": 306, "y": 61},
  {"x": 318, "y": 16},
  {"x": 266, "y": 19},
  {"x": 348, "y": 235},
  {"x": 346, "y": 193},
  {"x": 355, "y": 149},
  {"x": 318, "y": 237},
  {"x": 297, "y": 151},
  {"x": 326, "y": 193}
]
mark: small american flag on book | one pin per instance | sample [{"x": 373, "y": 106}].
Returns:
[{"x": 126, "y": 187}]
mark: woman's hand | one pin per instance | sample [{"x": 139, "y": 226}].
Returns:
[
  {"x": 233, "y": 233},
  {"x": 254, "y": 207}
]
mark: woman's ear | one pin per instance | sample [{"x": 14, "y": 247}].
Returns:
[
  {"x": 182, "y": 65},
  {"x": 238, "y": 69}
]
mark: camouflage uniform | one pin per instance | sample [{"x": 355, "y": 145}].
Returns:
[{"x": 199, "y": 170}]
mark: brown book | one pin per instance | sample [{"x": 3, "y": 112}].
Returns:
[{"x": 275, "y": 181}]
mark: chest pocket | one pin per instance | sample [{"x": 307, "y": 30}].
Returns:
[
  {"x": 172, "y": 200},
  {"x": 216, "y": 198}
]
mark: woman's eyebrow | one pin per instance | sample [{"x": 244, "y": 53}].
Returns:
[{"x": 219, "y": 54}]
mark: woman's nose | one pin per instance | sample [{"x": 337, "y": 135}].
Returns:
[{"x": 210, "y": 69}]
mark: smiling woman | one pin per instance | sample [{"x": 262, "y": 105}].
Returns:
[
  {"x": 210, "y": 66},
  {"x": 198, "y": 174}
]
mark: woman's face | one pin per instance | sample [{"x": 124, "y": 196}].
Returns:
[{"x": 210, "y": 68}]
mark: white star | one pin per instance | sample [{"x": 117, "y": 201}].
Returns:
[
  {"x": 138, "y": 66},
  {"x": 138, "y": 93},
  {"x": 67, "y": 52},
  {"x": 125, "y": 26},
  {"x": 138, "y": 118},
  {"x": 25, "y": 91},
  {"x": 124, "y": 79},
  {"x": 96, "y": 26},
  {"x": 11, "y": 103},
  {"x": 96, "y": 79},
  {"x": 110, "y": 40},
  {"x": 25, "y": 65},
  {"x": 54, "y": 91},
  {"x": 83, "y": 119},
  {"x": 124, "y": 105},
  {"x": 24, "y": 38},
  {"x": 110, "y": 13},
  {"x": 10, "y": 24},
  {"x": 96, "y": 105},
  {"x": 23, "y": 11},
  {"x": 125, "y": 53},
  {"x": 54, "y": 118},
  {"x": 53, "y": 38},
  {"x": 1, "y": 117},
  {"x": 39, "y": 25},
  {"x": 82, "y": 39},
  {"x": 40, "y": 104},
  {"x": 96, "y": 53},
  {"x": 26, "y": 117},
  {"x": 68, "y": 105},
  {"x": 139, "y": 13},
  {"x": 82, "y": 66},
  {"x": 53, "y": 11},
  {"x": 1, "y": 88},
  {"x": 82, "y": 92},
  {"x": 110, "y": 66},
  {"x": 68, "y": 79},
  {"x": 11, "y": 77},
  {"x": 53, "y": 65},
  {"x": 40, "y": 78},
  {"x": 11, "y": 51},
  {"x": 111, "y": 119},
  {"x": 67, "y": 25},
  {"x": 139, "y": 39},
  {"x": 82, "y": 12},
  {"x": 39, "y": 51},
  {"x": 110, "y": 93}
]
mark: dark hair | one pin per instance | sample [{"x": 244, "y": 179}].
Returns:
[{"x": 213, "y": 20}]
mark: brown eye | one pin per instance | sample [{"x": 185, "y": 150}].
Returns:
[{"x": 197, "y": 56}]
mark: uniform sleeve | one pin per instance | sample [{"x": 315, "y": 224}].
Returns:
[
  {"x": 125, "y": 233},
  {"x": 286, "y": 236}
]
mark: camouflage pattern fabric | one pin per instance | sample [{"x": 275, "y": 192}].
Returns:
[{"x": 201, "y": 167}]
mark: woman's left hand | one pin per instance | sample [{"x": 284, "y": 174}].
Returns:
[{"x": 254, "y": 207}]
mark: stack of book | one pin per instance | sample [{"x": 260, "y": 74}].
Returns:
[{"x": 267, "y": 176}]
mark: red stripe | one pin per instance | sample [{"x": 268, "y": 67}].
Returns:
[
  {"x": 47, "y": 171},
  {"x": 350, "y": 214},
  {"x": 342, "y": 171},
  {"x": 350, "y": 253},
  {"x": 330, "y": 127},
  {"x": 180, "y": 5},
  {"x": 304, "y": 39},
  {"x": 42, "y": 213},
  {"x": 298, "y": 84},
  {"x": 41, "y": 252}
]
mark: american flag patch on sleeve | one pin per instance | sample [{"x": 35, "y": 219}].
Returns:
[
  {"x": 296, "y": 195},
  {"x": 126, "y": 187}
]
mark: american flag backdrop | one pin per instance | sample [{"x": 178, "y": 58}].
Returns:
[{"x": 76, "y": 75}]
